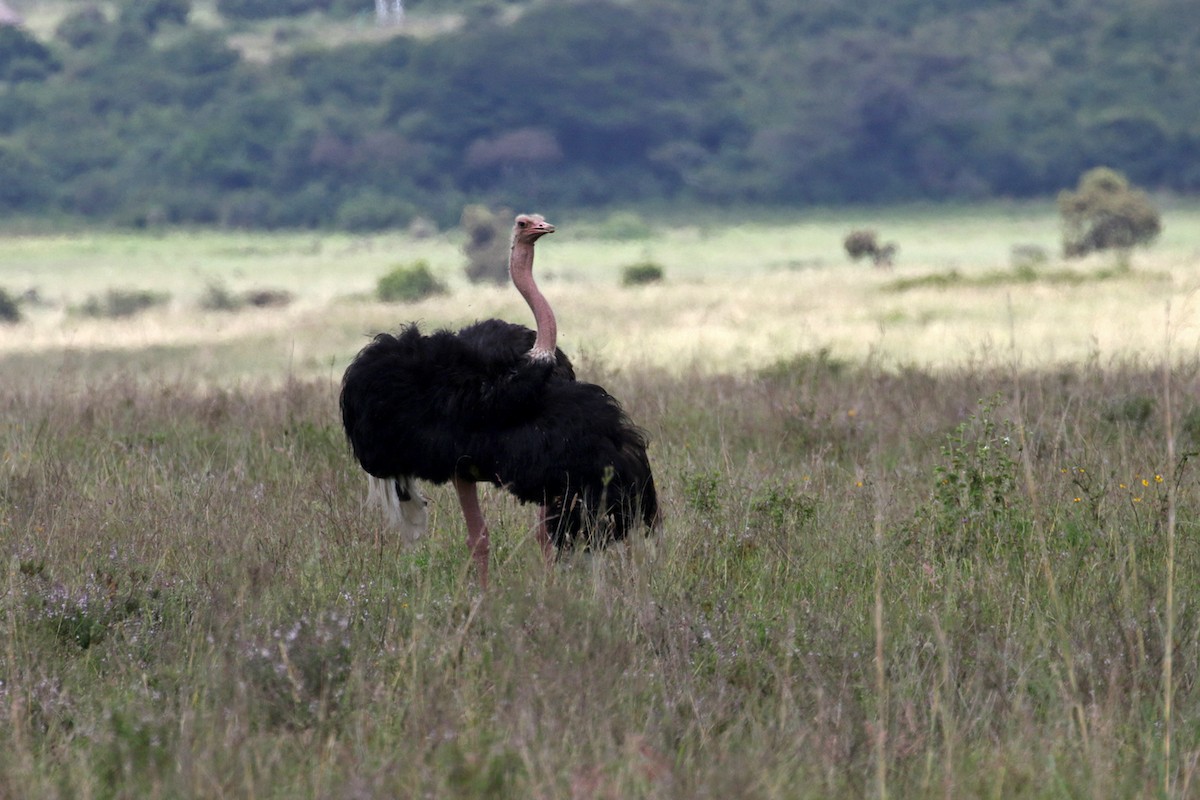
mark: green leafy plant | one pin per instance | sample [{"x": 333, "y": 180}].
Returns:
[
  {"x": 702, "y": 491},
  {"x": 781, "y": 507},
  {"x": 976, "y": 481},
  {"x": 409, "y": 283}
]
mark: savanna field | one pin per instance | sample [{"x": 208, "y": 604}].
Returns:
[{"x": 930, "y": 530}]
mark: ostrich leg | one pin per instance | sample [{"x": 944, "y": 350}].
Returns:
[{"x": 477, "y": 532}]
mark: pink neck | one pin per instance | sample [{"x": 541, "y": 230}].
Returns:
[{"x": 520, "y": 267}]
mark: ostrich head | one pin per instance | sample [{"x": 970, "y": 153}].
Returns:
[{"x": 528, "y": 228}]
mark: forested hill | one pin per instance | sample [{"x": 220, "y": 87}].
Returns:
[{"x": 147, "y": 111}]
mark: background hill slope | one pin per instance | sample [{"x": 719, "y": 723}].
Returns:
[{"x": 198, "y": 112}]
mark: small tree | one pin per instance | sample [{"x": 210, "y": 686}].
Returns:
[
  {"x": 487, "y": 242},
  {"x": 1106, "y": 213},
  {"x": 865, "y": 243}
]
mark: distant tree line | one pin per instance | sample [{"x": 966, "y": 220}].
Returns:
[{"x": 144, "y": 117}]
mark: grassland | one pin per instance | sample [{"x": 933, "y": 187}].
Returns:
[
  {"x": 965, "y": 569},
  {"x": 742, "y": 291}
]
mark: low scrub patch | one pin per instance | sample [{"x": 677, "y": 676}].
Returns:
[
  {"x": 219, "y": 297},
  {"x": 116, "y": 303}
]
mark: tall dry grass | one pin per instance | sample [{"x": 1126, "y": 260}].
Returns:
[{"x": 925, "y": 582}]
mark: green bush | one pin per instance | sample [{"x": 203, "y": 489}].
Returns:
[
  {"x": 641, "y": 273},
  {"x": 409, "y": 283},
  {"x": 1106, "y": 213},
  {"x": 865, "y": 243}
]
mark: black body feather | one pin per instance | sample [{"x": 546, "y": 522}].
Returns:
[{"x": 472, "y": 404}]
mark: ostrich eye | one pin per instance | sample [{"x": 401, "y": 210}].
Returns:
[{"x": 522, "y": 224}]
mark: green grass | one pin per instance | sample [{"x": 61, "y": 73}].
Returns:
[{"x": 196, "y": 603}]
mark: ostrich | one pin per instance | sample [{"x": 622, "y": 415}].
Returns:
[{"x": 497, "y": 402}]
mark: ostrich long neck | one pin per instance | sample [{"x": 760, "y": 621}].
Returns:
[{"x": 520, "y": 265}]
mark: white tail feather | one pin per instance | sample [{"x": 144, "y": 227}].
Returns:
[{"x": 408, "y": 516}]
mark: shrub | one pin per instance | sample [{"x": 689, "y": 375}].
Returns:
[
  {"x": 860, "y": 244},
  {"x": 10, "y": 310},
  {"x": 487, "y": 242},
  {"x": 1028, "y": 256},
  {"x": 408, "y": 284},
  {"x": 122, "y": 302},
  {"x": 1106, "y": 213},
  {"x": 297, "y": 674},
  {"x": 268, "y": 298},
  {"x": 643, "y": 273},
  {"x": 218, "y": 297},
  {"x": 976, "y": 487},
  {"x": 702, "y": 491}
]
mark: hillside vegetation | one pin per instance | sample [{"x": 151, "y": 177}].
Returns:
[{"x": 218, "y": 113}]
